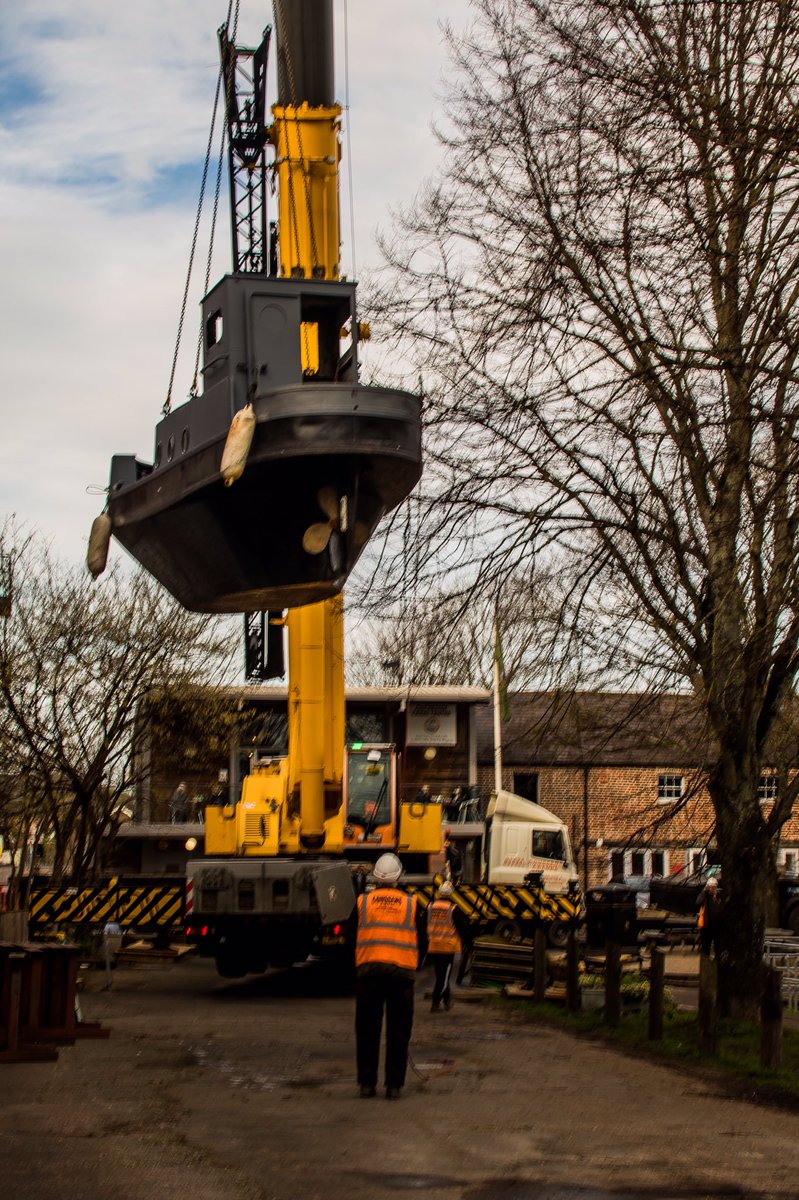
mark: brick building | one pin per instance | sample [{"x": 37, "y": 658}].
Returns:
[
  {"x": 211, "y": 749},
  {"x": 623, "y": 771}
]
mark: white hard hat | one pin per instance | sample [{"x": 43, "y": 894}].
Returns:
[
  {"x": 388, "y": 869},
  {"x": 446, "y": 889}
]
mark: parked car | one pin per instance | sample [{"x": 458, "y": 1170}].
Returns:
[{"x": 641, "y": 885}]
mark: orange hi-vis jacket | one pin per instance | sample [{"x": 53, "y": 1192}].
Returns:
[
  {"x": 442, "y": 935},
  {"x": 387, "y": 930}
]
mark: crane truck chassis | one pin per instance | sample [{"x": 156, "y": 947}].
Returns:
[{"x": 249, "y": 922}]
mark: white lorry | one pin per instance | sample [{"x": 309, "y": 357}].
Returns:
[{"x": 522, "y": 838}]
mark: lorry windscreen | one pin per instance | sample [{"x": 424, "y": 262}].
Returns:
[{"x": 548, "y": 843}]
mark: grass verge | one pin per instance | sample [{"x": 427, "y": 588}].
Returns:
[{"x": 735, "y": 1067}]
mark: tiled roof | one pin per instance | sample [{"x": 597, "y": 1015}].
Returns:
[{"x": 596, "y": 728}]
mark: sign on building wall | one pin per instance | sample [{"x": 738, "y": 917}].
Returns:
[{"x": 432, "y": 724}]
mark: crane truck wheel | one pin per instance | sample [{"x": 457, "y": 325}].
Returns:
[
  {"x": 558, "y": 934},
  {"x": 509, "y": 930},
  {"x": 231, "y": 963}
]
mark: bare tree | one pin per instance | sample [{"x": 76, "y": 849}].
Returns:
[
  {"x": 76, "y": 660},
  {"x": 444, "y": 638},
  {"x": 601, "y": 296}
]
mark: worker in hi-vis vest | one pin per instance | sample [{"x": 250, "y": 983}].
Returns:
[
  {"x": 390, "y": 945},
  {"x": 445, "y": 939}
]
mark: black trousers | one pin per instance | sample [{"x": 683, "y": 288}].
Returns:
[
  {"x": 374, "y": 992},
  {"x": 442, "y": 965}
]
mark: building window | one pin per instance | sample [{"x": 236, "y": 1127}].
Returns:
[
  {"x": 694, "y": 861},
  {"x": 616, "y": 866},
  {"x": 767, "y": 789},
  {"x": 525, "y": 783},
  {"x": 624, "y": 864},
  {"x": 637, "y": 862},
  {"x": 699, "y": 858},
  {"x": 670, "y": 787},
  {"x": 788, "y": 862}
]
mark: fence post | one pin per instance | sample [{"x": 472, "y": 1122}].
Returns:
[
  {"x": 574, "y": 1001},
  {"x": 708, "y": 1007},
  {"x": 771, "y": 1018},
  {"x": 15, "y": 963},
  {"x": 657, "y": 974},
  {"x": 540, "y": 962},
  {"x": 612, "y": 983}
]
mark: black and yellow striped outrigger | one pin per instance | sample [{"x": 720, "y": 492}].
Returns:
[
  {"x": 140, "y": 904},
  {"x": 488, "y": 905}
]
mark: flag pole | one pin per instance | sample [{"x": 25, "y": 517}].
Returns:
[{"x": 497, "y": 706}]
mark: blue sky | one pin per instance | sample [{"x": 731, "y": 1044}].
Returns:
[{"x": 104, "y": 116}]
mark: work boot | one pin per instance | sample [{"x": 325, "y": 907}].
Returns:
[
  {"x": 392, "y": 1093},
  {"x": 447, "y": 1005},
  {"x": 367, "y": 1092},
  {"x": 434, "y": 1007}
]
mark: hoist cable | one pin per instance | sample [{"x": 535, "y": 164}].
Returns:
[
  {"x": 207, "y": 280},
  {"x": 168, "y": 402},
  {"x": 349, "y": 141}
]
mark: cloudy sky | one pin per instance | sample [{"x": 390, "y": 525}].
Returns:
[{"x": 104, "y": 115}]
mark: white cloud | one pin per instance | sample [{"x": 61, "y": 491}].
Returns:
[{"x": 97, "y": 100}]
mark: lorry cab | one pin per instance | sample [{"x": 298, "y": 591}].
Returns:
[{"x": 523, "y": 838}]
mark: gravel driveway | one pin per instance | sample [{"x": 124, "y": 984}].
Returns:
[{"x": 236, "y": 1091}]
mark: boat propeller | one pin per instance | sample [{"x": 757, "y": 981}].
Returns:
[{"x": 318, "y": 536}]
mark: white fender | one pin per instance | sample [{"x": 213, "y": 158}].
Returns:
[
  {"x": 99, "y": 541},
  {"x": 237, "y": 445}
]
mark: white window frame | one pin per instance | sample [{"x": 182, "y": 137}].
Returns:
[
  {"x": 768, "y": 788},
  {"x": 671, "y": 776},
  {"x": 695, "y": 859},
  {"x": 788, "y": 861}
]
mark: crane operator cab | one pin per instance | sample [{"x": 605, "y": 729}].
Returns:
[
  {"x": 370, "y": 795},
  {"x": 376, "y": 820}
]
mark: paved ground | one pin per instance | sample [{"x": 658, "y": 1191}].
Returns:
[{"x": 221, "y": 1091}]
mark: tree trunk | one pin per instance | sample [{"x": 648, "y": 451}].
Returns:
[{"x": 746, "y": 891}]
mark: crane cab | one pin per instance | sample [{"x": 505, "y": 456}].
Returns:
[{"x": 375, "y": 818}]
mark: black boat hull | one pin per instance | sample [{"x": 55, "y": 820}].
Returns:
[{"x": 240, "y": 548}]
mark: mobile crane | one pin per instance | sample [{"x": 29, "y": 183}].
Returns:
[
  {"x": 262, "y": 494},
  {"x": 323, "y": 459}
]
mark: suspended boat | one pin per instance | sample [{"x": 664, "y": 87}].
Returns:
[{"x": 312, "y": 459}]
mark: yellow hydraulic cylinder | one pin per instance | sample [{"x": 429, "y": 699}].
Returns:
[
  {"x": 316, "y": 714},
  {"x": 308, "y": 150}
]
